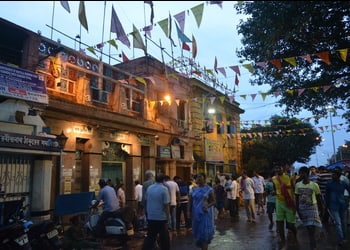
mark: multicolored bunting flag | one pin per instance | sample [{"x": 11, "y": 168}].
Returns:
[
  {"x": 182, "y": 36},
  {"x": 137, "y": 41},
  {"x": 82, "y": 15},
  {"x": 125, "y": 58},
  {"x": 116, "y": 27},
  {"x": 65, "y": 5},
  {"x": 194, "y": 47},
  {"x": 185, "y": 47}
]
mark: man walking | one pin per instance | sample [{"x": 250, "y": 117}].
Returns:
[
  {"x": 259, "y": 189},
  {"x": 148, "y": 182},
  {"x": 247, "y": 187},
  {"x": 285, "y": 205},
  {"x": 182, "y": 205},
  {"x": 157, "y": 207},
  {"x": 174, "y": 199}
]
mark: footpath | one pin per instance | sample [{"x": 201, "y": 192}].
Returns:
[{"x": 242, "y": 235}]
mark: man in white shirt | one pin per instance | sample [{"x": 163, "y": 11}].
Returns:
[
  {"x": 138, "y": 194},
  {"x": 235, "y": 188},
  {"x": 174, "y": 192},
  {"x": 247, "y": 187},
  {"x": 259, "y": 189}
]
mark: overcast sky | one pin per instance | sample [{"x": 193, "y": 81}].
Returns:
[{"x": 216, "y": 37}]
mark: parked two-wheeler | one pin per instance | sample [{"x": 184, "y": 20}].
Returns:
[
  {"x": 119, "y": 226},
  {"x": 44, "y": 235},
  {"x": 14, "y": 233}
]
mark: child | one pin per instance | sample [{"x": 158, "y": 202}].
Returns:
[
  {"x": 271, "y": 200},
  {"x": 220, "y": 198}
]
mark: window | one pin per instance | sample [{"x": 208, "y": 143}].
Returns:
[
  {"x": 220, "y": 128},
  {"x": 230, "y": 126},
  {"x": 64, "y": 81},
  {"x": 181, "y": 115},
  {"x": 209, "y": 128},
  {"x": 134, "y": 99}
]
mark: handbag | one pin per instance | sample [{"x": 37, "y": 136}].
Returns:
[{"x": 284, "y": 191}]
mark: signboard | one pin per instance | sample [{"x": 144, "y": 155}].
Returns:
[
  {"x": 22, "y": 84},
  {"x": 164, "y": 152},
  {"x": 14, "y": 140},
  {"x": 213, "y": 151},
  {"x": 175, "y": 151}
]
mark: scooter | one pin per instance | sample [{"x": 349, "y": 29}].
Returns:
[
  {"x": 13, "y": 235},
  {"x": 44, "y": 235},
  {"x": 120, "y": 226}
]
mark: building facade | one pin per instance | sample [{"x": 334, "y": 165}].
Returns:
[{"x": 118, "y": 120}]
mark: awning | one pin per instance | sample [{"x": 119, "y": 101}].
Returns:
[{"x": 341, "y": 164}]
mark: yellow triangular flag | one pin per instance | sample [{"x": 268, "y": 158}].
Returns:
[
  {"x": 343, "y": 54},
  {"x": 249, "y": 67},
  {"x": 140, "y": 79},
  {"x": 92, "y": 50},
  {"x": 291, "y": 60},
  {"x": 113, "y": 43}
]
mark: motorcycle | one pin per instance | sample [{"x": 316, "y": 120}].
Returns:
[
  {"x": 14, "y": 233},
  {"x": 44, "y": 235},
  {"x": 120, "y": 226}
]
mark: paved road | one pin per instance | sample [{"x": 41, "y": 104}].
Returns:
[{"x": 240, "y": 235}]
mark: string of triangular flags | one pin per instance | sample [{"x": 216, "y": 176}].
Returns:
[
  {"x": 284, "y": 132},
  {"x": 165, "y": 25},
  {"x": 197, "y": 11},
  {"x": 231, "y": 98},
  {"x": 295, "y": 132},
  {"x": 278, "y": 63}
]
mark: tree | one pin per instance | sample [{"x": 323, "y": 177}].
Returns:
[
  {"x": 285, "y": 140},
  {"x": 305, "y": 47}
]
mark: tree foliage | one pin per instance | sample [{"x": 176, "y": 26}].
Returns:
[
  {"x": 285, "y": 140},
  {"x": 276, "y": 30}
]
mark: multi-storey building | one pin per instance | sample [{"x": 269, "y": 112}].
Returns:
[{"x": 68, "y": 119}]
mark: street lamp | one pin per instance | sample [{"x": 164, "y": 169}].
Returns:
[
  {"x": 330, "y": 108},
  {"x": 206, "y": 122},
  {"x": 341, "y": 150},
  {"x": 61, "y": 139}
]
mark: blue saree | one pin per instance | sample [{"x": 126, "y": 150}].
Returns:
[{"x": 203, "y": 227}]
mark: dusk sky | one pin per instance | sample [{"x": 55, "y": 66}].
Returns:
[{"x": 215, "y": 35}]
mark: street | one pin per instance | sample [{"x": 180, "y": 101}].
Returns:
[{"x": 241, "y": 235}]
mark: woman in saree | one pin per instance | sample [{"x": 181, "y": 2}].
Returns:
[{"x": 201, "y": 210}]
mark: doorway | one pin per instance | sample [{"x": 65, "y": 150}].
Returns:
[{"x": 114, "y": 171}]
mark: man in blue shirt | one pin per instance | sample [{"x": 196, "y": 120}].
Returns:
[
  {"x": 157, "y": 207},
  {"x": 108, "y": 195},
  {"x": 337, "y": 205}
]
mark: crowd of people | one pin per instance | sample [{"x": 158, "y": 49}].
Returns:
[{"x": 315, "y": 197}]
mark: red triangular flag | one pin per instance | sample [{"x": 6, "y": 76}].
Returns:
[
  {"x": 185, "y": 46},
  {"x": 236, "y": 80},
  {"x": 125, "y": 58}
]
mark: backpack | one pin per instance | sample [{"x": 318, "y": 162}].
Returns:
[{"x": 184, "y": 189}]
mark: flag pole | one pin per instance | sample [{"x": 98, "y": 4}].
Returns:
[
  {"x": 80, "y": 38},
  {"x": 52, "y": 18},
  {"x": 161, "y": 50},
  {"x": 109, "y": 50},
  {"x": 103, "y": 29},
  {"x": 144, "y": 20}
]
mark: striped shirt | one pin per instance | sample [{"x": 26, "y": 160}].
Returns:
[{"x": 324, "y": 177}]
